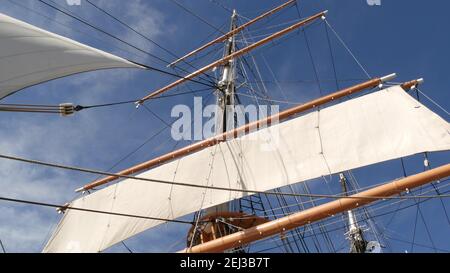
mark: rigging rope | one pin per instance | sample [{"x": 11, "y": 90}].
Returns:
[
  {"x": 71, "y": 28},
  {"x": 58, "y": 109},
  {"x": 79, "y": 107},
  {"x": 434, "y": 102},
  {"x": 143, "y": 36},
  {"x": 196, "y": 15},
  {"x": 348, "y": 49},
  {"x": 360, "y": 221},
  {"x": 2, "y": 246},
  {"x": 92, "y": 171},
  {"x": 65, "y": 207},
  {"x": 122, "y": 41},
  {"x": 222, "y": 6},
  {"x": 333, "y": 63},
  {"x": 309, "y": 202},
  {"x": 126, "y": 247}
]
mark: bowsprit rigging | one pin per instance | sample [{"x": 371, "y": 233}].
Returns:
[{"x": 247, "y": 186}]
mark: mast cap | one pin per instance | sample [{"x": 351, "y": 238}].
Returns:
[{"x": 388, "y": 77}]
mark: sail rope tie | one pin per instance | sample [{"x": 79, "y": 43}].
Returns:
[{"x": 433, "y": 101}]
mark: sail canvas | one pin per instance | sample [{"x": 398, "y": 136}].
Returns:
[
  {"x": 377, "y": 127},
  {"x": 30, "y": 55}
]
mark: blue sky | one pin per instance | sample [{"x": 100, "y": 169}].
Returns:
[{"x": 406, "y": 37}]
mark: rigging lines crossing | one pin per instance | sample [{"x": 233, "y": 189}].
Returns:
[
  {"x": 81, "y": 20},
  {"x": 64, "y": 207},
  {"x": 92, "y": 171},
  {"x": 323, "y": 196},
  {"x": 57, "y": 109},
  {"x": 146, "y": 37}
]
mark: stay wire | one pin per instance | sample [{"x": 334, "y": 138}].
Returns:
[
  {"x": 3, "y": 247},
  {"x": 143, "y": 36},
  {"x": 56, "y": 109},
  {"x": 196, "y": 15},
  {"x": 64, "y": 207},
  {"x": 92, "y": 171},
  {"x": 80, "y": 107},
  {"x": 347, "y": 48},
  {"x": 376, "y": 216},
  {"x": 120, "y": 40}
]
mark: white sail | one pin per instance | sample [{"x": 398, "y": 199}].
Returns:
[
  {"x": 381, "y": 126},
  {"x": 30, "y": 55}
]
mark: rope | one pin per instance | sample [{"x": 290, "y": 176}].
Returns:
[
  {"x": 79, "y": 107},
  {"x": 71, "y": 28},
  {"x": 434, "y": 102},
  {"x": 57, "y": 109},
  {"x": 196, "y": 16},
  {"x": 63, "y": 207},
  {"x": 126, "y": 247},
  {"x": 2, "y": 246},
  {"x": 85, "y": 170},
  {"x": 118, "y": 39},
  {"x": 359, "y": 221},
  {"x": 142, "y": 35},
  {"x": 280, "y": 214},
  {"x": 333, "y": 63},
  {"x": 222, "y": 6},
  {"x": 348, "y": 49}
]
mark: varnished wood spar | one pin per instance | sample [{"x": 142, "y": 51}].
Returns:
[
  {"x": 232, "y": 56},
  {"x": 320, "y": 212},
  {"x": 412, "y": 84},
  {"x": 233, "y": 32},
  {"x": 239, "y": 131}
]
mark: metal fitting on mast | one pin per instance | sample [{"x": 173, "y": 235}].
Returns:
[{"x": 355, "y": 234}]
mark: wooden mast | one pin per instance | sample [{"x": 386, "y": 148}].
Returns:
[
  {"x": 320, "y": 212},
  {"x": 234, "y": 55},
  {"x": 233, "y": 32},
  {"x": 243, "y": 130}
]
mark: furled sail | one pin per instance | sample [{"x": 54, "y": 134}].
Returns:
[
  {"x": 377, "y": 127},
  {"x": 30, "y": 55}
]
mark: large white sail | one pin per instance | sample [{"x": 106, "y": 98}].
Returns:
[
  {"x": 30, "y": 55},
  {"x": 377, "y": 127}
]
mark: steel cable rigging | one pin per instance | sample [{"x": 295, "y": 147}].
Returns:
[
  {"x": 81, "y": 20},
  {"x": 92, "y": 171},
  {"x": 143, "y": 36},
  {"x": 68, "y": 109},
  {"x": 65, "y": 207}
]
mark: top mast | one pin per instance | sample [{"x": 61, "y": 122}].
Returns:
[
  {"x": 226, "y": 86},
  {"x": 233, "y": 32},
  {"x": 355, "y": 234}
]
